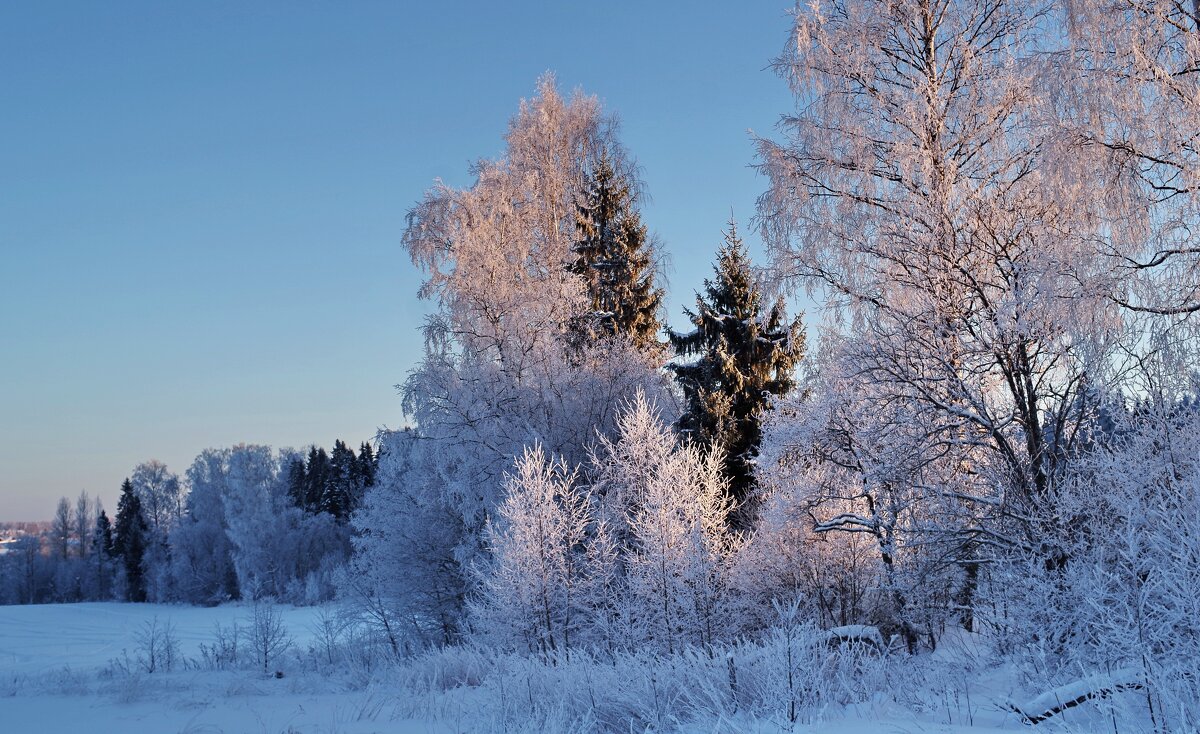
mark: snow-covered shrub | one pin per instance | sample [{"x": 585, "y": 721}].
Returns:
[
  {"x": 157, "y": 646},
  {"x": 1123, "y": 604},
  {"x": 223, "y": 651},
  {"x": 536, "y": 589},
  {"x": 559, "y": 577},
  {"x": 265, "y": 635},
  {"x": 792, "y": 676}
]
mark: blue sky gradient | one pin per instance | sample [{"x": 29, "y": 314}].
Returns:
[{"x": 201, "y": 204}]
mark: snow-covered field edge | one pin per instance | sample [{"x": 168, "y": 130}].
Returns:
[{"x": 89, "y": 666}]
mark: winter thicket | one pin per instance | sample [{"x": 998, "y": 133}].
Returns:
[
  {"x": 993, "y": 201},
  {"x": 517, "y": 264}
]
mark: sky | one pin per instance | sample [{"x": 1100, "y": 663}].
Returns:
[{"x": 201, "y": 204}]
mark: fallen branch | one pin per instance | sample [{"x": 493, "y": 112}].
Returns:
[{"x": 1053, "y": 703}]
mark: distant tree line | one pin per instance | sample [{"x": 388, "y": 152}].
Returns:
[{"x": 244, "y": 522}]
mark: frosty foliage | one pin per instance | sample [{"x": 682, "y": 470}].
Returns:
[
  {"x": 641, "y": 560},
  {"x": 502, "y": 369},
  {"x": 1128, "y": 599}
]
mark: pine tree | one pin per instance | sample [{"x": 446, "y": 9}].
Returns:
[
  {"x": 132, "y": 532},
  {"x": 613, "y": 257},
  {"x": 744, "y": 357}
]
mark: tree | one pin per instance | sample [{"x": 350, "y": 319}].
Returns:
[
  {"x": 132, "y": 533},
  {"x": 340, "y": 492},
  {"x": 103, "y": 538},
  {"x": 499, "y": 370},
  {"x": 1124, "y": 95},
  {"x": 318, "y": 475},
  {"x": 103, "y": 552},
  {"x": 60, "y": 529},
  {"x": 614, "y": 257},
  {"x": 201, "y": 553},
  {"x": 743, "y": 357},
  {"x": 85, "y": 520},
  {"x": 404, "y": 577},
  {"x": 533, "y": 586},
  {"x": 366, "y": 467},
  {"x": 297, "y": 483},
  {"x": 918, "y": 188},
  {"x": 668, "y": 505},
  {"x": 161, "y": 496}
]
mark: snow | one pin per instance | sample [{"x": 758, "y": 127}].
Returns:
[
  {"x": 56, "y": 674},
  {"x": 53, "y": 678},
  {"x": 89, "y": 635}
]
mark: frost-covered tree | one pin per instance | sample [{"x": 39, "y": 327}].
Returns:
[
  {"x": 60, "y": 529},
  {"x": 668, "y": 503},
  {"x": 201, "y": 553},
  {"x": 1125, "y": 98},
  {"x": 916, "y": 191},
  {"x": 254, "y": 511},
  {"x": 615, "y": 259},
  {"x": 404, "y": 577},
  {"x": 737, "y": 356},
  {"x": 84, "y": 519},
  {"x": 867, "y": 483},
  {"x": 534, "y": 589},
  {"x": 1125, "y": 608},
  {"x": 161, "y": 496},
  {"x": 500, "y": 370}
]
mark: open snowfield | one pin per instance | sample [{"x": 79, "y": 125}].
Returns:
[
  {"x": 61, "y": 671},
  {"x": 56, "y": 675}
]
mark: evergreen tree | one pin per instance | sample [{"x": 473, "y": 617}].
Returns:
[
  {"x": 317, "y": 478},
  {"x": 103, "y": 540},
  {"x": 744, "y": 357},
  {"x": 337, "y": 497},
  {"x": 297, "y": 479},
  {"x": 613, "y": 257},
  {"x": 367, "y": 464},
  {"x": 132, "y": 533},
  {"x": 102, "y": 549}
]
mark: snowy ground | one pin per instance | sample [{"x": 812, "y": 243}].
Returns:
[
  {"x": 60, "y": 671},
  {"x": 56, "y": 676}
]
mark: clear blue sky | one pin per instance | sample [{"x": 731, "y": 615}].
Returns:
[{"x": 201, "y": 203}]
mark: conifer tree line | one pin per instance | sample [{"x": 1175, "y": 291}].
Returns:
[
  {"x": 332, "y": 482},
  {"x": 245, "y": 522}
]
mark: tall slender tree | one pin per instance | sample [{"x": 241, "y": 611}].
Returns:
[
  {"x": 613, "y": 255},
  {"x": 132, "y": 533},
  {"x": 742, "y": 356}
]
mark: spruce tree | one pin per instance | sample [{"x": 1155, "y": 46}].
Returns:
[
  {"x": 339, "y": 490},
  {"x": 297, "y": 480},
  {"x": 742, "y": 357},
  {"x": 613, "y": 257},
  {"x": 132, "y": 533},
  {"x": 102, "y": 542},
  {"x": 366, "y": 466},
  {"x": 317, "y": 478},
  {"x": 102, "y": 549}
]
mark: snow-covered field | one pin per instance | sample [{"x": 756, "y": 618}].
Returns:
[
  {"x": 73, "y": 667},
  {"x": 57, "y": 674}
]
